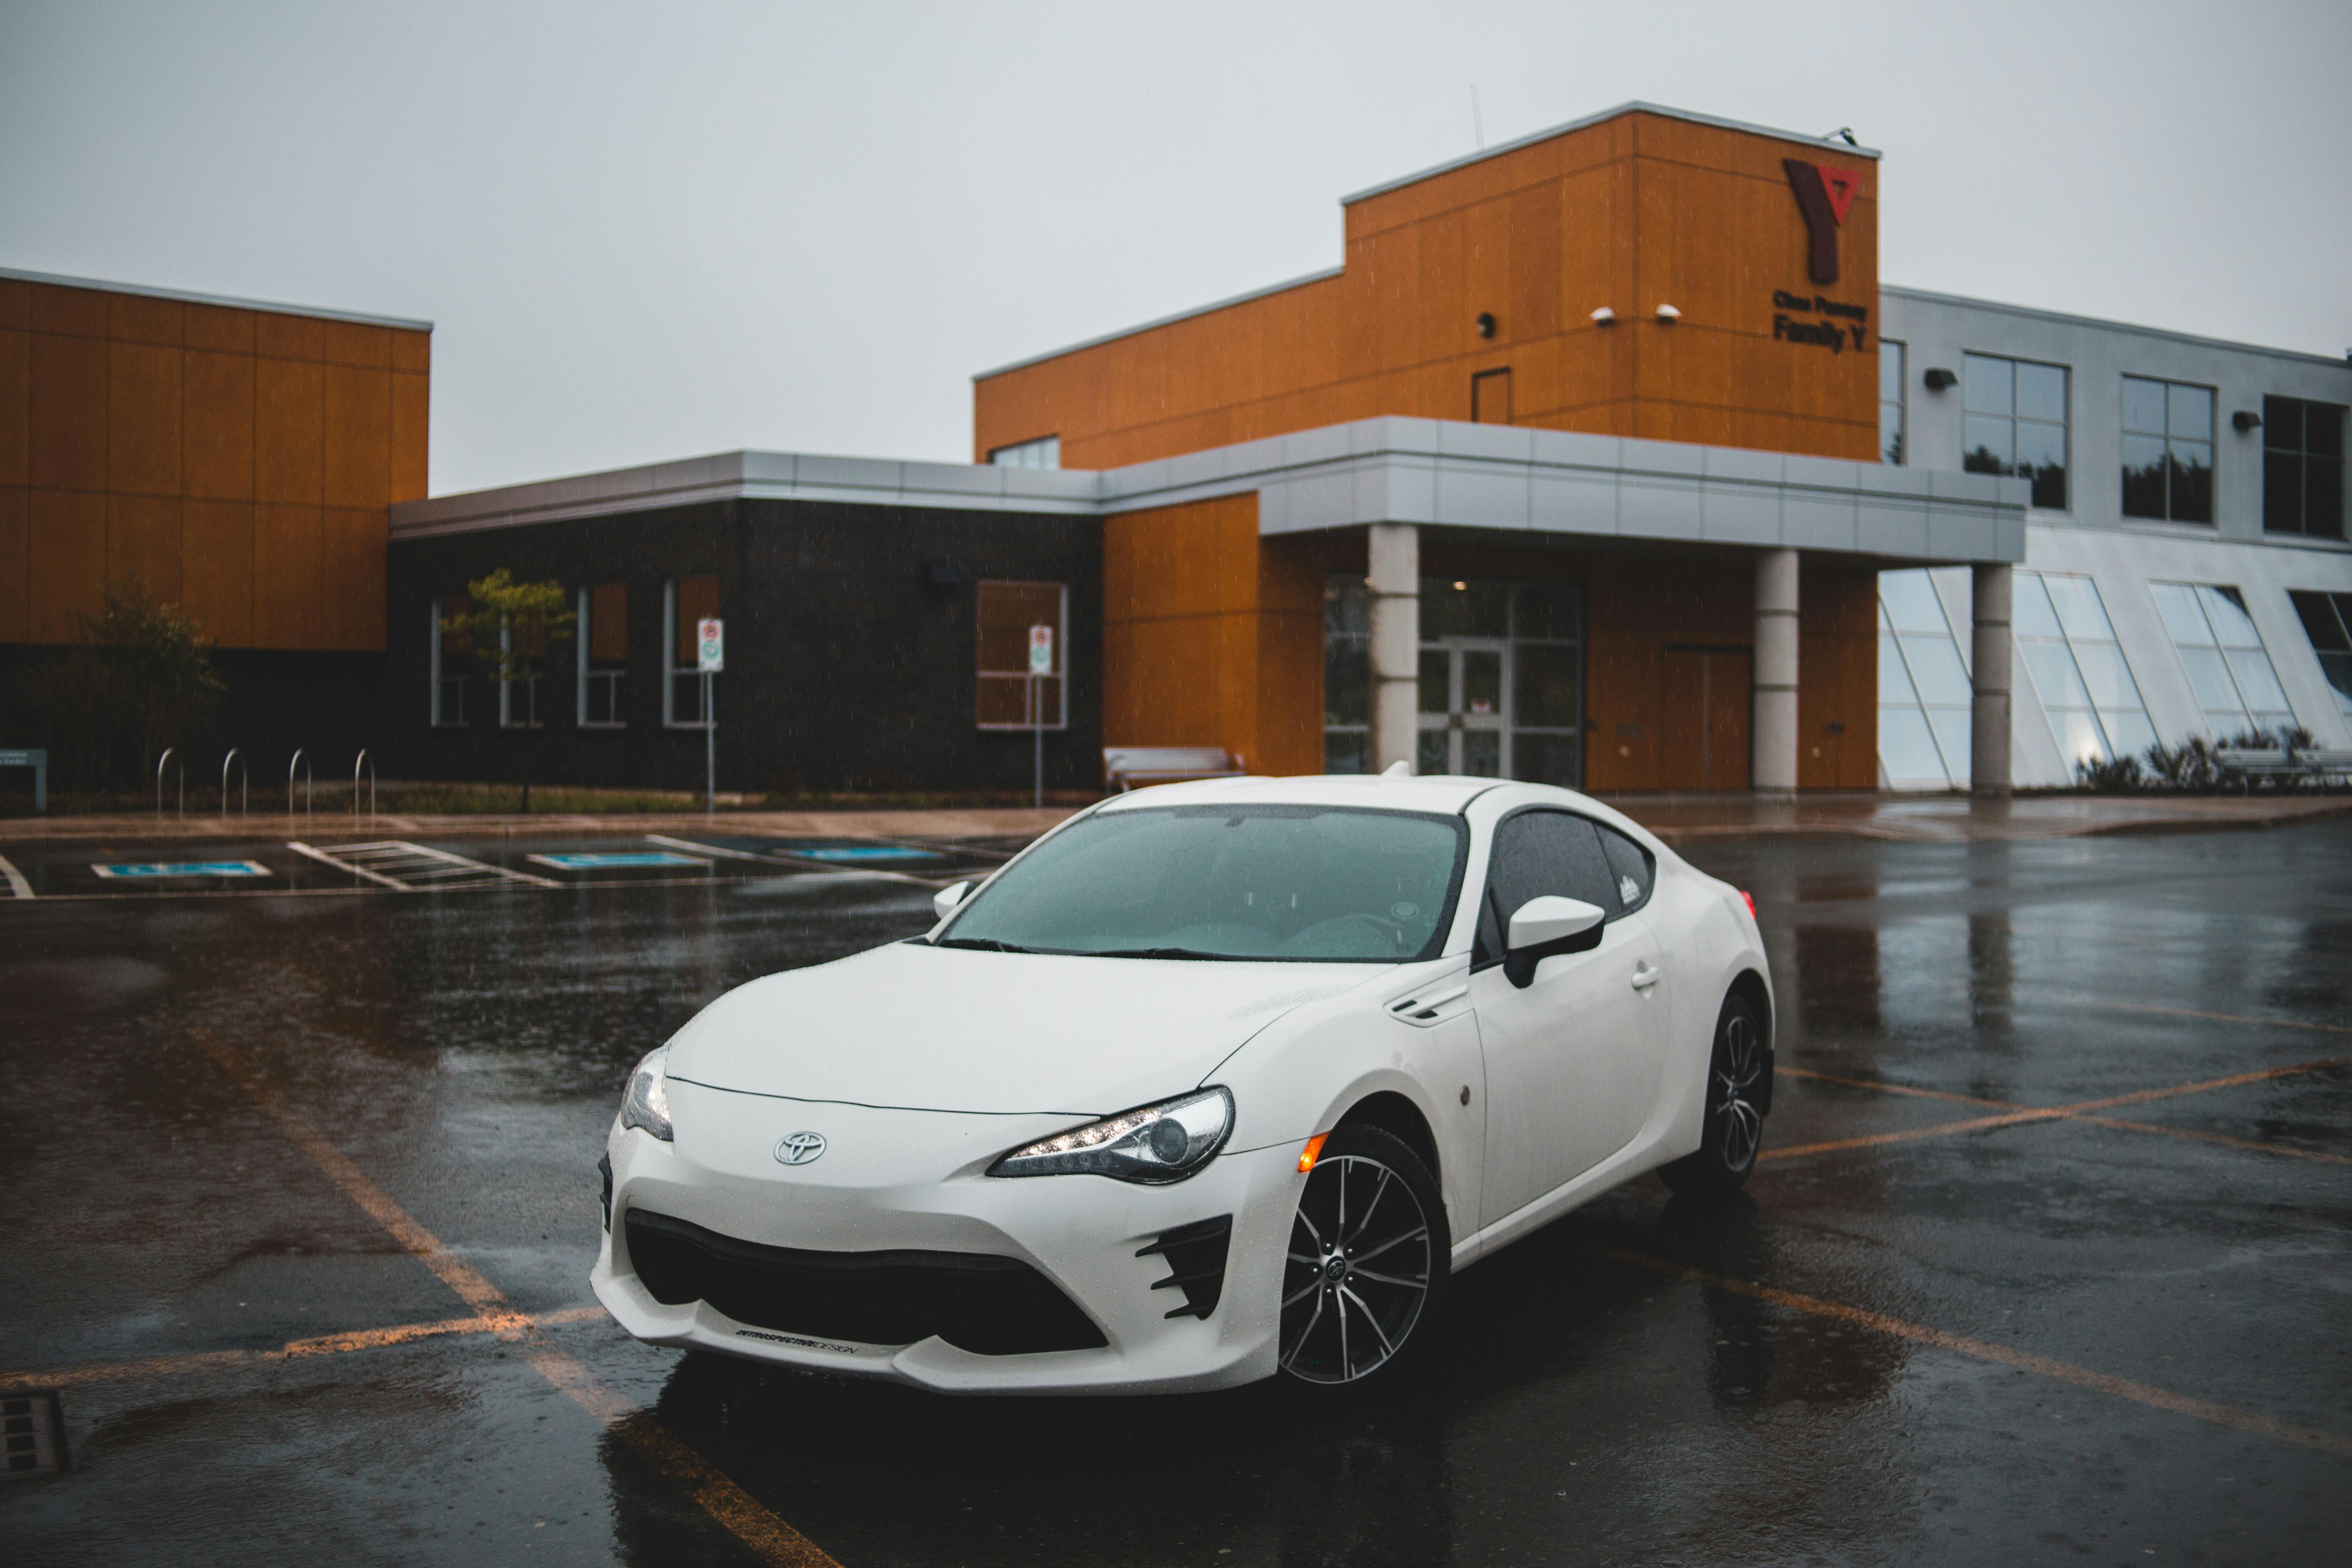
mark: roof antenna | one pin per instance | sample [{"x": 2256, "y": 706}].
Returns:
[
  {"x": 1843, "y": 133},
  {"x": 1478, "y": 125}
]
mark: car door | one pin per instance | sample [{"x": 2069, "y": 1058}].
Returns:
[{"x": 1564, "y": 1054}]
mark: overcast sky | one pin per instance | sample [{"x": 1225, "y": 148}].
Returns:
[{"x": 653, "y": 231}]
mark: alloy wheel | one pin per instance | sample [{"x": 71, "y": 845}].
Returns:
[
  {"x": 1357, "y": 1273},
  {"x": 1738, "y": 1068}
]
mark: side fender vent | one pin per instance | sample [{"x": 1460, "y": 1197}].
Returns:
[{"x": 1196, "y": 1253}]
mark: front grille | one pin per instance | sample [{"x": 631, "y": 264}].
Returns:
[{"x": 986, "y": 1304}]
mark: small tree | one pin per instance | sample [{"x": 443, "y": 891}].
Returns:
[
  {"x": 136, "y": 670},
  {"x": 507, "y": 633}
]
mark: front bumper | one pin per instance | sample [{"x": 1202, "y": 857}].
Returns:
[{"x": 903, "y": 1181}]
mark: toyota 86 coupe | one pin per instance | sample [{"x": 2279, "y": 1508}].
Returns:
[{"x": 1214, "y": 1082}]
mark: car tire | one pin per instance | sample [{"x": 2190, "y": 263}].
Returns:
[
  {"x": 1368, "y": 1263},
  {"x": 1737, "y": 1095}
]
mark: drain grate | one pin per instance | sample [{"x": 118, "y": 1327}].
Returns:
[{"x": 33, "y": 1428}]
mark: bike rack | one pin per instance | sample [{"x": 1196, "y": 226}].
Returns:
[
  {"x": 171, "y": 753},
  {"x": 244, "y": 779},
  {"x": 363, "y": 759},
  {"x": 301, "y": 760}
]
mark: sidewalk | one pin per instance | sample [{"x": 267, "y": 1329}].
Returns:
[{"x": 1676, "y": 818}]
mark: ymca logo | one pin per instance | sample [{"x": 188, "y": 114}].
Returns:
[{"x": 1824, "y": 193}]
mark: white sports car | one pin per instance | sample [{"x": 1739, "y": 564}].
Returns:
[{"x": 1215, "y": 1082}]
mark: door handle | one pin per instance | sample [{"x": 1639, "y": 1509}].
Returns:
[{"x": 1646, "y": 975}]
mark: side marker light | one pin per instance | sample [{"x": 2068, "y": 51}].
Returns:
[
  {"x": 1749, "y": 898},
  {"x": 1313, "y": 1151}
]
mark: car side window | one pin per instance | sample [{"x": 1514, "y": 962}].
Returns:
[
  {"x": 1634, "y": 868},
  {"x": 1536, "y": 853}
]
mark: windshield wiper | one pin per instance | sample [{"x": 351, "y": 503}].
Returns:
[
  {"x": 1168, "y": 952},
  {"x": 982, "y": 944}
]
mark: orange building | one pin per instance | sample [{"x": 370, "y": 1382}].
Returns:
[
  {"x": 1686, "y": 288},
  {"x": 240, "y": 459}
]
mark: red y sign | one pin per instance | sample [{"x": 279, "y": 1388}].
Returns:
[{"x": 1824, "y": 193}]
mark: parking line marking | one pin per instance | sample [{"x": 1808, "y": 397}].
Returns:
[
  {"x": 17, "y": 887},
  {"x": 1983, "y": 1350},
  {"x": 2192, "y": 1013},
  {"x": 2075, "y": 1110},
  {"x": 345, "y": 1343},
  {"x": 743, "y": 1514},
  {"x": 797, "y": 862},
  {"x": 1893, "y": 1088}
]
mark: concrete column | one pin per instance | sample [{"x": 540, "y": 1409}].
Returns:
[
  {"x": 1394, "y": 552},
  {"x": 1988, "y": 671},
  {"x": 1773, "y": 726}
]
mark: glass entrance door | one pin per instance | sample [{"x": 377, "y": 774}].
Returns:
[{"x": 1464, "y": 709}]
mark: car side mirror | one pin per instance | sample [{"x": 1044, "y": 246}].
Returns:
[
  {"x": 1547, "y": 926},
  {"x": 948, "y": 899}
]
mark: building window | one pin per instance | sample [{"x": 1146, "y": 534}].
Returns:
[
  {"x": 1924, "y": 696},
  {"x": 1490, "y": 397},
  {"x": 449, "y": 659},
  {"x": 685, "y": 601},
  {"x": 603, "y": 645},
  {"x": 2014, "y": 414},
  {"x": 519, "y": 695},
  {"x": 1347, "y": 674},
  {"x": 2303, "y": 468},
  {"x": 2228, "y": 667},
  {"x": 2078, "y": 668},
  {"x": 2168, "y": 450},
  {"x": 1044, "y": 452},
  {"x": 1007, "y": 610},
  {"x": 1891, "y": 430},
  {"x": 2328, "y": 621}
]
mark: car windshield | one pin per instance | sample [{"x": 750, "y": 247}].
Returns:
[{"x": 1290, "y": 883}]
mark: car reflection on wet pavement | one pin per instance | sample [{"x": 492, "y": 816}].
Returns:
[{"x": 2045, "y": 1259}]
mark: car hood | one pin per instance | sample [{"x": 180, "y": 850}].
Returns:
[{"x": 932, "y": 1029}]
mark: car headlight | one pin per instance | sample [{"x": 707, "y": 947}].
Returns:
[
  {"x": 1156, "y": 1143},
  {"x": 647, "y": 1103}
]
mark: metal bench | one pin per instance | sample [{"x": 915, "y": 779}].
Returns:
[
  {"x": 1126, "y": 767},
  {"x": 2284, "y": 763}
]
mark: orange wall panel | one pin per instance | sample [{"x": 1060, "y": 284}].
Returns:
[
  {"x": 15, "y": 406},
  {"x": 68, "y": 414},
  {"x": 16, "y": 304},
  {"x": 67, "y": 560},
  {"x": 355, "y": 344},
  {"x": 141, "y": 319},
  {"x": 351, "y": 588},
  {"x": 73, "y": 313},
  {"x": 358, "y": 420},
  {"x": 16, "y": 565},
  {"x": 277, "y": 336},
  {"x": 289, "y": 430},
  {"x": 142, "y": 544},
  {"x": 216, "y": 426},
  {"x": 216, "y": 572},
  {"x": 220, "y": 327},
  {"x": 412, "y": 352},
  {"x": 143, "y": 419},
  {"x": 287, "y": 577},
  {"x": 411, "y": 421}
]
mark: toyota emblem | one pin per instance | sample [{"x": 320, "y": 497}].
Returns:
[{"x": 799, "y": 1148}]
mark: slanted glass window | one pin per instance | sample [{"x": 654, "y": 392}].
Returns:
[
  {"x": 1891, "y": 430},
  {"x": 1007, "y": 610},
  {"x": 2077, "y": 666},
  {"x": 2168, "y": 450},
  {"x": 519, "y": 695},
  {"x": 2328, "y": 621},
  {"x": 2222, "y": 651},
  {"x": 2014, "y": 413},
  {"x": 604, "y": 653},
  {"x": 2303, "y": 468},
  {"x": 1044, "y": 452},
  {"x": 1924, "y": 695},
  {"x": 450, "y": 657},
  {"x": 685, "y": 601},
  {"x": 1347, "y": 674}
]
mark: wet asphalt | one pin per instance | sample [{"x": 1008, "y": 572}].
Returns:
[{"x": 2115, "y": 1335}]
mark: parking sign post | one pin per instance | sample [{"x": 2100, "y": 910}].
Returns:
[
  {"x": 1041, "y": 664},
  {"x": 710, "y": 650}
]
